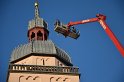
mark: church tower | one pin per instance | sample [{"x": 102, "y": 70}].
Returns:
[{"x": 40, "y": 60}]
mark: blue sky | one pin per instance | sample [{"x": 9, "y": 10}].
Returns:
[{"x": 94, "y": 53}]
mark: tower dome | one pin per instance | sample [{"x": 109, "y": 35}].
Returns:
[{"x": 40, "y": 48}]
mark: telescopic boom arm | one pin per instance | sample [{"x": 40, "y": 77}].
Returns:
[
  {"x": 82, "y": 22},
  {"x": 99, "y": 18}
]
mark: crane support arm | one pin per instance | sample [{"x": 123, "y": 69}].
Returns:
[
  {"x": 82, "y": 22},
  {"x": 112, "y": 36}
]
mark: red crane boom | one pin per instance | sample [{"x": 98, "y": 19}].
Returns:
[{"x": 66, "y": 30}]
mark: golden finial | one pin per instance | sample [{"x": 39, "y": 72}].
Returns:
[{"x": 36, "y": 3}]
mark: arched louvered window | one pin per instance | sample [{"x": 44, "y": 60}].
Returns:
[
  {"x": 32, "y": 35},
  {"x": 39, "y": 35}
]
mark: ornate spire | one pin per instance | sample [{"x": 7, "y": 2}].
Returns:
[{"x": 36, "y": 12}]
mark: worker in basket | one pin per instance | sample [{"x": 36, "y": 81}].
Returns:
[{"x": 57, "y": 22}]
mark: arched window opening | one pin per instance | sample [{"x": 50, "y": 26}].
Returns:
[
  {"x": 32, "y": 35},
  {"x": 58, "y": 79},
  {"x": 45, "y": 36},
  {"x": 21, "y": 78},
  {"x": 43, "y": 62},
  {"x": 58, "y": 63},
  {"x": 47, "y": 59},
  {"x": 36, "y": 77},
  {"x": 29, "y": 77},
  {"x": 39, "y": 35},
  {"x": 37, "y": 61},
  {"x": 66, "y": 80},
  {"x": 51, "y": 79}
]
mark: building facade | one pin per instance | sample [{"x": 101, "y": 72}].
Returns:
[{"x": 40, "y": 60}]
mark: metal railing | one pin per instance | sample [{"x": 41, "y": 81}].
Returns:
[{"x": 43, "y": 69}]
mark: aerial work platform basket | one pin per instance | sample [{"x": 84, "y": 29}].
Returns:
[{"x": 64, "y": 30}]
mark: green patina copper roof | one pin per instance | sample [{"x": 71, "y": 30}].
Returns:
[{"x": 39, "y": 47}]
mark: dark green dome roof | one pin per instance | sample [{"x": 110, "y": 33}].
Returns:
[{"x": 39, "y": 47}]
